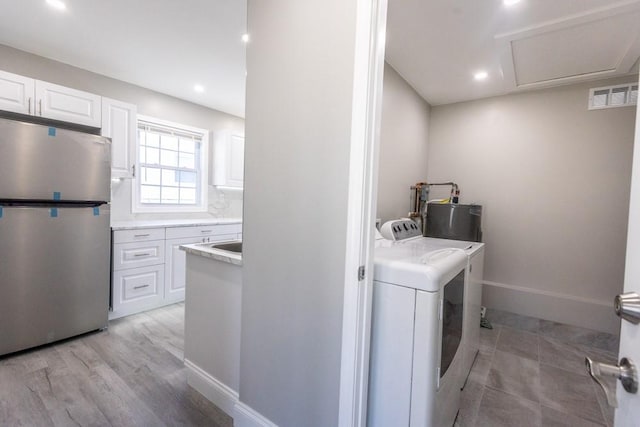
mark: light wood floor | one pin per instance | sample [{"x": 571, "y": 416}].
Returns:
[{"x": 129, "y": 375}]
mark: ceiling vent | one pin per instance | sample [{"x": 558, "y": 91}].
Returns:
[{"x": 613, "y": 96}]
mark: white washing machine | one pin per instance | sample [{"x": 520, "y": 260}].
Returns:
[
  {"x": 404, "y": 230},
  {"x": 473, "y": 295},
  {"x": 416, "y": 341}
]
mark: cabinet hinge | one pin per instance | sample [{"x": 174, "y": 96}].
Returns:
[{"x": 361, "y": 272}]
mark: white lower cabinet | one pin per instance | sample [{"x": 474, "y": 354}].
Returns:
[
  {"x": 149, "y": 269},
  {"x": 137, "y": 278},
  {"x": 175, "y": 263},
  {"x": 137, "y": 289}
]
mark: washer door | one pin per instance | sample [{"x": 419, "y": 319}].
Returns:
[{"x": 452, "y": 304}]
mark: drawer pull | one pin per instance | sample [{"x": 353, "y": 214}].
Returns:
[
  {"x": 206, "y": 231},
  {"x": 141, "y": 235},
  {"x": 141, "y": 286},
  {"x": 140, "y": 255}
]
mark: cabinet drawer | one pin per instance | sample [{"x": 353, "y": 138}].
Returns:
[
  {"x": 137, "y": 254},
  {"x": 138, "y": 235},
  {"x": 139, "y": 284},
  {"x": 137, "y": 289},
  {"x": 202, "y": 230}
]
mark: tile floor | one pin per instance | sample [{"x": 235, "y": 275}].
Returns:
[{"x": 530, "y": 372}]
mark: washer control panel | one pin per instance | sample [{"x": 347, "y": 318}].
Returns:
[{"x": 400, "y": 229}]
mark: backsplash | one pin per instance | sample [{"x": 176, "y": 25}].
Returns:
[{"x": 225, "y": 203}]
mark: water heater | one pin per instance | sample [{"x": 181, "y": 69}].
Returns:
[{"x": 454, "y": 221}]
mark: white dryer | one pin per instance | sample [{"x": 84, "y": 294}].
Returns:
[{"x": 416, "y": 341}]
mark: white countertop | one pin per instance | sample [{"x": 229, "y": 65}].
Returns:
[
  {"x": 135, "y": 224},
  {"x": 204, "y": 250}
]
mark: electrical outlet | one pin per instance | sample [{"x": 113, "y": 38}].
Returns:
[{"x": 483, "y": 312}]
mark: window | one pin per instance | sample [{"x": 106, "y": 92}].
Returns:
[
  {"x": 171, "y": 173},
  {"x": 613, "y": 96}
]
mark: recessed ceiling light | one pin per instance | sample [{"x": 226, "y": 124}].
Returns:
[
  {"x": 481, "y": 75},
  {"x": 57, "y": 4},
  {"x": 198, "y": 88},
  {"x": 510, "y": 2},
  {"x": 245, "y": 38}
]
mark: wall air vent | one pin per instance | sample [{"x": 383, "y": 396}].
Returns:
[{"x": 613, "y": 96}]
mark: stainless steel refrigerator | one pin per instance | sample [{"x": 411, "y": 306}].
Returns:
[{"x": 54, "y": 234}]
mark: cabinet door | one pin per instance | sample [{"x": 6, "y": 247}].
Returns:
[
  {"x": 235, "y": 161},
  {"x": 119, "y": 123},
  {"x": 69, "y": 105},
  {"x": 176, "y": 260},
  {"x": 16, "y": 93},
  {"x": 228, "y": 161}
]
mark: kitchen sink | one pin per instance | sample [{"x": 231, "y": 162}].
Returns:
[{"x": 235, "y": 247}]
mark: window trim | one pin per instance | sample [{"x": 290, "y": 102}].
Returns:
[{"x": 137, "y": 206}]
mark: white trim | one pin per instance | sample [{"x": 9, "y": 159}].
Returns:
[
  {"x": 572, "y": 310},
  {"x": 175, "y": 125},
  {"x": 203, "y": 206},
  {"x": 365, "y": 129},
  {"x": 549, "y": 293},
  {"x": 223, "y": 396},
  {"x": 245, "y": 416}
]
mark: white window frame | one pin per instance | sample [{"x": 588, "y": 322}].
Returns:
[
  {"x": 628, "y": 103},
  {"x": 137, "y": 206}
]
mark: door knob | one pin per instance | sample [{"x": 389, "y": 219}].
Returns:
[
  {"x": 625, "y": 371},
  {"x": 627, "y": 306}
]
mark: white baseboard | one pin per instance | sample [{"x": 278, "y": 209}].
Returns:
[
  {"x": 577, "y": 311},
  {"x": 223, "y": 396},
  {"x": 245, "y": 416}
]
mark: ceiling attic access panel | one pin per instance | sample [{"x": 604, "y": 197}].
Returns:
[{"x": 597, "y": 44}]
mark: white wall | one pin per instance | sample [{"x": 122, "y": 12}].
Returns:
[
  {"x": 298, "y": 136},
  {"x": 150, "y": 103},
  {"x": 554, "y": 181},
  {"x": 404, "y": 135}
]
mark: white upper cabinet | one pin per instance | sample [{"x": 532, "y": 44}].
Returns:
[
  {"x": 16, "y": 93},
  {"x": 119, "y": 123},
  {"x": 228, "y": 159},
  {"x": 25, "y": 95},
  {"x": 69, "y": 105}
]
